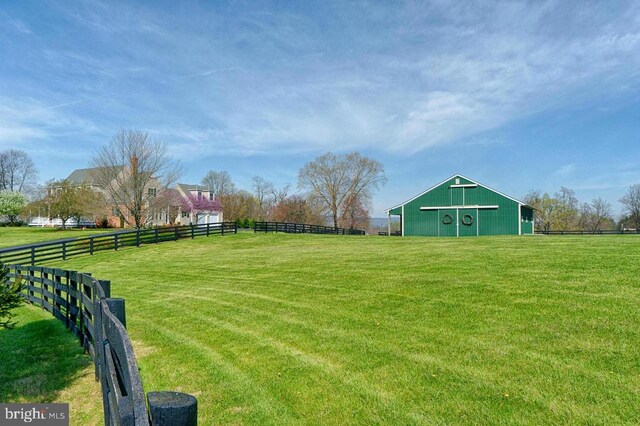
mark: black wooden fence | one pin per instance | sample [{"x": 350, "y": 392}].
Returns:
[
  {"x": 63, "y": 249},
  {"x": 303, "y": 228},
  {"x": 84, "y": 305},
  {"x": 599, "y": 232},
  {"x": 393, "y": 234}
]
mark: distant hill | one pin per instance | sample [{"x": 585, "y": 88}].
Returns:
[{"x": 381, "y": 222}]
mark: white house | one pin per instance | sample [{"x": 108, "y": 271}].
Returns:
[{"x": 197, "y": 205}]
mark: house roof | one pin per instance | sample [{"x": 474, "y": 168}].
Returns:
[
  {"x": 185, "y": 188},
  {"x": 463, "y": 177},
  {"x": 85, "y": 176}
]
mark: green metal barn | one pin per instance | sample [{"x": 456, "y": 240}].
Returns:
[{"x": 461, "y": 207}]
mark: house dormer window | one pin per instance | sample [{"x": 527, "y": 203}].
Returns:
[{"x": 152, "y": 192}]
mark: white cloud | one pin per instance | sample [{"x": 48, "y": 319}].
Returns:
[
  {"x": 440, "y": 82},
  {"x": 358, "y": 76},
  {"x": 566, "y": 170},
  {"x": 15, "y": 24},
  {"x": 23, "y": 122}
]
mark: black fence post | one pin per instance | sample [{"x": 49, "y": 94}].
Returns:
[
  {"x": 66, "y": 278},
  {"x": 97, "y": 330},
  {"x": 106, "y": 287},
  {"x": 115, "y": 242},
  {"x": 117, "y": 308},
  {"x": 64, "y": 250},
  {"x": 137, "y": 237},
  {"x": 156, "y": 234},
  {"x": 172, "y": 409},
  {"x": 91, "y": 245}
]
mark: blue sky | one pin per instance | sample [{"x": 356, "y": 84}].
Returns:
[{"x": 518, "y": 95}]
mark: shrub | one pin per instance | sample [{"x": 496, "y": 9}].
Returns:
[
  {"x": 245, "y": 222},
  {"x": 9, "y": 297}
]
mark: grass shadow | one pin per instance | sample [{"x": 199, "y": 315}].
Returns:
[{"x": 39, "y": 358}]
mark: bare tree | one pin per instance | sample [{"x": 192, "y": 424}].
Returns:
[
  {"x": 239, "y": 205},
  {"x": 262, "y": 190},
  {"x": 298, "y": 209},
  {"x": 281, "y": 194},
  {"x": 219, "y": 183},
  {"x": 566, "y": 211},
  {"x": 631, "y": 202},
  {"x": 17, "y": 171},
  {"x": 92, "y": 205},
  {"x": 595, "y": 216},
  {"x": 336, "y": 179},
  {"x": 355, "y": 215},
  {"x": 167, "y": 204},
  {"x": 133, "y": 169},
  {"x": 546, "y": 206}
]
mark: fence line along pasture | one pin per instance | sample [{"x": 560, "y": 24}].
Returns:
[
  {"x": 599, "y": 232},
  {"x": 303, "y": 228},
  {"x": 64, "y": 249},
  {"x": 84, "y": 305}
]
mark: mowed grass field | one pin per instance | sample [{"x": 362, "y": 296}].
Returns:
[
  {"x": 306, "y": 329},
  {"x": 16, "y": 236}
]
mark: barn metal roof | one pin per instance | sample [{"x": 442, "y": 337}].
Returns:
[{"x": 463, "y": 177}]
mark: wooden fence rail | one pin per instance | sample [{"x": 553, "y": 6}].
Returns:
[
  {"x": 600, "y": 232},
  {"x": 63, "y": 249},
  {"x": 303, "y": 228},
  {"x": 85, "y": 306}
]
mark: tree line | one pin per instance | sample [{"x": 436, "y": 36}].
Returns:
[
  {"x": 334, "y": 189},
  {"x": 563, "y": 212}
]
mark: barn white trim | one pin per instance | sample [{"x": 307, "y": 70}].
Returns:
[{"x": 458, "y": 207}]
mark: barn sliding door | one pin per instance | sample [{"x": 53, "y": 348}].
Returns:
[
  {"x": 468, "y": 222},
  {"x": 447, "y": 223}
]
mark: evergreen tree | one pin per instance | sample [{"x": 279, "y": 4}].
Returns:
[{"x": 10, "y": 297}]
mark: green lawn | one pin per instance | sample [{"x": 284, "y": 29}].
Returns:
[
  {"x": 40, "y": 361},
  {"x": 16, "y": 236},
  {"x": 289, "y": 329}
]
